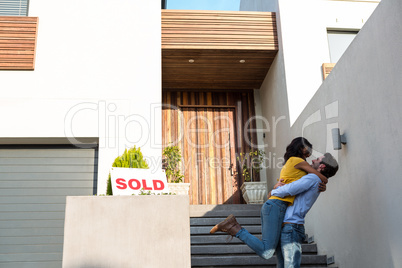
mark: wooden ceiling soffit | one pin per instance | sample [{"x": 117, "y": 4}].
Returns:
[{"x": 217, "y": 49}]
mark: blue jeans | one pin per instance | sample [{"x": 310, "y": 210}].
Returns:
[
  {"x": 289, "y": 249},
  {"x": 272, "y": 214}
]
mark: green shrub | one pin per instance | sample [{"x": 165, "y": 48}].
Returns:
[
  {"x": 251, "y": 164},
  {"x": 132, "y": 158},
  {"x": 172, "y": 156}
]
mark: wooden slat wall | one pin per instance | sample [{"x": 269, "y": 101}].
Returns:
[
  {"x": 185, "y": 29},
  {"x": 208, "y": 185},
  {"x": 207, "y": 167},
  {"x": 18, "y": 42},
  {"x": 327, "y": 68}
]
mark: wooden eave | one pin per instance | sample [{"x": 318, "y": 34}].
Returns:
[
  {"x": 18, "y": 37},
  {"x": 217, "y": 42}
]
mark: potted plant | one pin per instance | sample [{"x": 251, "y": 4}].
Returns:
[
  {"x": 171, "y": 165},
  {"x": 253, "y": 191}
]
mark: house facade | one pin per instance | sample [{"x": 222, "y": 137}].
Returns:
[
  {"x": 361, "y": 96},
  {"x": 95, "y": 90},
  {"x": 82, "y": 84}
]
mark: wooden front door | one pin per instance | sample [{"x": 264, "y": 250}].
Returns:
[
  {"x": 208, "y": 144},
  {"x": 211, "y": 129}
]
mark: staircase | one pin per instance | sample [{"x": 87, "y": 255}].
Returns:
[{"x": 213, "y": 251}]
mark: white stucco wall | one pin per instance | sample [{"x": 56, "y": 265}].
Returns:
[
  {"x": 356, "y": 218},
  {"x": 304, "y": 27},
  {"x": 296, "y": 73},
  {"x": 276, "y": 114},
  {"x": 97, "y": 74},
  {"x": 274, "y": 100},
  {"x": 261, "y": 125}
]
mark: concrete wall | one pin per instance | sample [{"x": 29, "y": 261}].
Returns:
[
  {"x": 127, "y": 231},
  {"x": 304, "y": 27},
  {"x": 94, "y": 62},
  {"x": 276, "y": 114},
  {"x": 296, "y": 73},
  {"x": 260, "y": 125},
  {"x": 357, "y": 217},
  {"x": 273, "y": 98}
]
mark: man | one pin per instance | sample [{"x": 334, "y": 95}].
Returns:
[{"x": 306, "y": 192}]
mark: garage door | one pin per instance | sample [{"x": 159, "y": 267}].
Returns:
[{"x": 34, "y": 183}]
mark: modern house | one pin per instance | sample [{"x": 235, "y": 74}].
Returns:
[{"x": 81, "y": 81}]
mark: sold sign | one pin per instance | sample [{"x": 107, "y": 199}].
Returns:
[{"x": 129, "y": 181}]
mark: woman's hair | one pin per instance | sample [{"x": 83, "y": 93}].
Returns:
[{"x": 295, "y": 148}]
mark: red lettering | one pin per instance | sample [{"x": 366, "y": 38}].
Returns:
[
  {"x": 121, "y": 184},
  {"x": 158, "y": 185},
  {"x": 135, "y": 184},
  {"x": 144, "y": 184},
  {"x": 138, "y": 184}
]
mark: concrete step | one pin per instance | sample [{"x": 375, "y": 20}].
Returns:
[
  {"x": 213, "y": 221},
  {"x": 263, "y": 265},
  {"x": 238, "y": 249},
  {"x": 204, "y": 230},
  {"x": 214, "y": 251},
  {"x": 249, "y": 260},
  {"x": 217, "y": 238},
  {"x": 260, "y": 266},
  {"x": 219, "y": 211}
]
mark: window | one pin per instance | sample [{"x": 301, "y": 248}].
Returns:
[
  {"x": 14, "y": 8},
  {"x": 338, "y": 42}
]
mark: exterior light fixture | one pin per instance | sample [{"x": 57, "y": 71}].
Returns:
[
  {"x": 338, "y": 139},
  {"x": 242, "y": 61},
  {"x": 191, "y": 61}
]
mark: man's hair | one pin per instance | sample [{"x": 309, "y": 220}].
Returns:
[{"x": 331, "y": 165}]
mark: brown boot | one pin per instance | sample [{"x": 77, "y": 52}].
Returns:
[{"x": 229, "y": 225}]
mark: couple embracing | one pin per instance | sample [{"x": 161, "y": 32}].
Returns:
[{"x": 282, "y": 215}]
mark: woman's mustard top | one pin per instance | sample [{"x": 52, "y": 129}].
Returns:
[{"x": 290, "y": 174}]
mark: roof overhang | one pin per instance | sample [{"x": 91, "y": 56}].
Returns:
[{"x": 217, "y": 49}]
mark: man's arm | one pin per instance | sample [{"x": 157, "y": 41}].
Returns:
[{"x": 295, "y": 187}]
